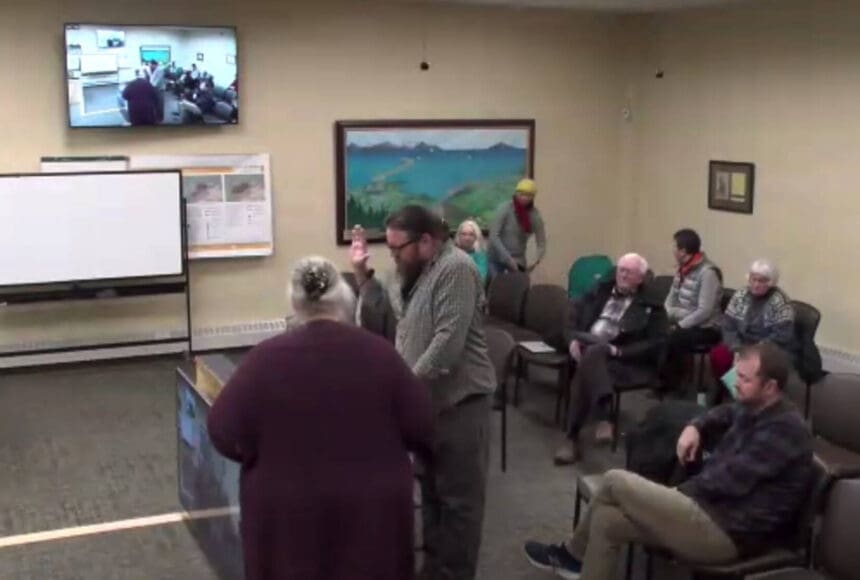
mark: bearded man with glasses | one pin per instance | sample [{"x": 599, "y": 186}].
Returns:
[{"x": 436, "y": 297}]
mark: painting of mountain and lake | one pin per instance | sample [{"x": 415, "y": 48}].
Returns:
[{"x": 462, "y": 169}]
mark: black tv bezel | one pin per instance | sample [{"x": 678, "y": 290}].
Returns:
[{"x": 69, "y": 124}]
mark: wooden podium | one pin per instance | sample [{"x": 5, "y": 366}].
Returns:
[
  {"x": 213, "y": 372},
  {"x": 207, "y": 480}
]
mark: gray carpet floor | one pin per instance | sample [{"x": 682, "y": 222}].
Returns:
[
  {"x": 97, "y": 443},
  {"x": 102, "y": 108}
]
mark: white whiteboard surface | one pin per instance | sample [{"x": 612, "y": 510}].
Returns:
[
  {"x": 98, "y": 63},
  {"x": 89, "y": 226}
]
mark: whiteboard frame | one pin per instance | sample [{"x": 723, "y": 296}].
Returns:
[{"x": 183, "y": 230}]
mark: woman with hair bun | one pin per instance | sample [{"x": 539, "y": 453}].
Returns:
[{"x": 322, "y": 420}]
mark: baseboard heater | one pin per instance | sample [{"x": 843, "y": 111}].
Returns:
[{"x": 202, "y": 339}]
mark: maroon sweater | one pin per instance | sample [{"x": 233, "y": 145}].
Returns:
[
  {"x": 142, "y": 100},
  {"x": 321, "y": 420}
]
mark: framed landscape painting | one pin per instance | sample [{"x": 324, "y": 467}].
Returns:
[{"x": 461, "y": 169}]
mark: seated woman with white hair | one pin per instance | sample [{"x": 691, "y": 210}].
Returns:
[
  {"x": 760, "y": 312},
  {"x": 470, "y": 239},
  {"x": 322, "y": 419}
]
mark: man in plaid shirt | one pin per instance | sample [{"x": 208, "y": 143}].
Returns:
[
  {"x": 746, "y": 497},
  {"x": 436, "y": 299}
]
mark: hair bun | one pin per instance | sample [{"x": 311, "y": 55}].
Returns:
[{"x": 316, "y": 281}]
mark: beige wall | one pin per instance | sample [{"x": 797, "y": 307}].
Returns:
[
  {"x": 303, "y": 67},
  {"x": 776, "y": 84}
]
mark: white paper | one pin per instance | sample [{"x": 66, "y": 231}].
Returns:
[
  {"x": 536, "y": 346},
  {"x": 228, "y": 202}
]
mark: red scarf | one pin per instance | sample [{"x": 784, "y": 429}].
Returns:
[
  {"x": 523, "y": 213},
  {"x": 691, "y": 263}
]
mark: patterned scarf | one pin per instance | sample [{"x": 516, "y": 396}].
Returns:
[{"x": 523, "y": 213}]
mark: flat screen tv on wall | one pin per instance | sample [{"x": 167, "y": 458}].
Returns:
[{"x": 133, "y": 76}]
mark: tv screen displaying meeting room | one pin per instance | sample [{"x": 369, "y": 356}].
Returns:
[{"x": 130, "y": 76}]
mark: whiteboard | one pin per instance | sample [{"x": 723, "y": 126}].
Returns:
[
  {"x": 90, "y": 226},
  {"x": 98, "y": 63}
]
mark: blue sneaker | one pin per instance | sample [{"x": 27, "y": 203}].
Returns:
[{"x": 553, "y": 559}]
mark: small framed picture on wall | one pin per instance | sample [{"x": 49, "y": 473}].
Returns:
[
  {"x": 199, "y": 57},
  {"x": 731, "y": 186}
]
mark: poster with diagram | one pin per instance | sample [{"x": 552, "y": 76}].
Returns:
[{"x": 228, "y": 202}]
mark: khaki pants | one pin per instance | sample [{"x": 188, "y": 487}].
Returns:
[
  {"x": 453, "y": 490},
  {"x": 630, "y": 508}
]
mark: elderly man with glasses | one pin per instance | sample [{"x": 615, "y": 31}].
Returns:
[{"x": 615, "y": 335}]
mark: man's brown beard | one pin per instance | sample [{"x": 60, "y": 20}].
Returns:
[{"x": 409, "y": 276}]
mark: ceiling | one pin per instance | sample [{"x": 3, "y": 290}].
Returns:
[{"x": 603, "y": 5}]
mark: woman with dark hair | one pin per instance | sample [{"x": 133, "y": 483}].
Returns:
[{"x": 322, "y": 420}]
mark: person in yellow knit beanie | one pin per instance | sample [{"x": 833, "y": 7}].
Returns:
[{"x": 515, "y": 222}]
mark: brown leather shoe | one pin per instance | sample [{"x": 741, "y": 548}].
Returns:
[{"x": 567, "y": 453}]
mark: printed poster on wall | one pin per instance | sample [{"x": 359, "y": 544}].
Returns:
[{"x": 228, "y": 202}]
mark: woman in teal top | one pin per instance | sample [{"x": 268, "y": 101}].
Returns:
[{"x": 470, "y": 239}]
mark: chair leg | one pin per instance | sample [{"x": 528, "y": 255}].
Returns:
[
  {"x": 559, "y": 400},
  {"x": 628, "y": 574},
  {"x": 649, "y": 565},
  {"x": 615, "y": 418},
  {"x": 700, "y": 376},
  {"x": 558, "y": 407},
  {"x": 519, "y": 375},
  {"x": 504, "y": 428},
  {"x": 565, "y": 404},
  {"x": 577, "y": 507}
]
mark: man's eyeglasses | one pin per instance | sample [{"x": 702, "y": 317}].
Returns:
[{"x": 395, "y": 250}]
